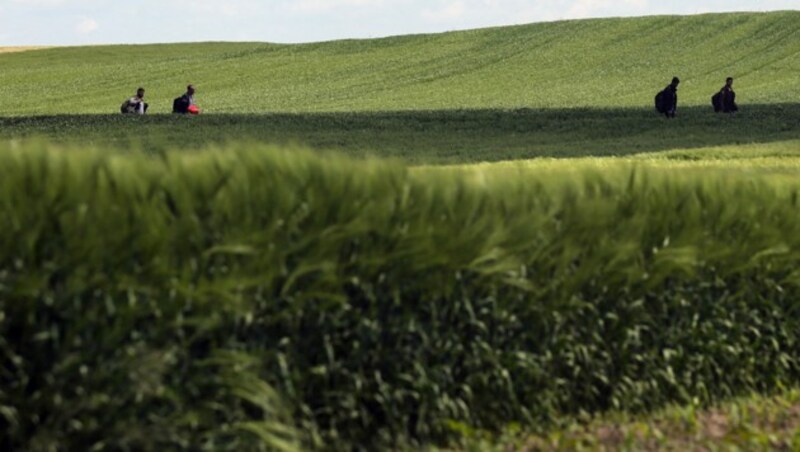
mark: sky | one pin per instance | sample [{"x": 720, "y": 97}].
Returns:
[{"x": 80, "y": 22}]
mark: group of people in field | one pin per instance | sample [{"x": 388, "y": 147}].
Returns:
[
  {"x": 183, "y": 105},
  {"x": 723, "y": 101},
  {"x": 666, "y": 101}
]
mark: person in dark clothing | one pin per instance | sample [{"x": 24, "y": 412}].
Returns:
[
  {"x": 725, "y": 100},
  {"x": 667, "y": 100},
  {"x": 185, "y": 103}
]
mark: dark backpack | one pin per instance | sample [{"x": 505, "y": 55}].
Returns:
[
  {"x": 126, "y": 107},
  {"x": 180, "y": 105},
  {"x": 660, "y": 102},
  {"x": 716, "y": 102}
]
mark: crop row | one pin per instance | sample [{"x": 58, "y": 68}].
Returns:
[{"x": 248, "y": 295}]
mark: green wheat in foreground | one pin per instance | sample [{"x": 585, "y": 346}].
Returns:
[{"x": 281, "y": 299}]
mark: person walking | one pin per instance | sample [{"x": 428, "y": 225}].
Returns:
[
  {"x": 667, "y": 99},
  {"x": 725, "y": 100},
  {"x": 185, "y": 104},
  {"x": 135, "y": 105}
]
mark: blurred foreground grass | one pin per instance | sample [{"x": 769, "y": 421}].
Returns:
[{"x": 247, "y": 296}]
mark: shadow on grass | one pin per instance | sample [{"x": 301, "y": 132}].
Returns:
[{"x": 443, "y": 136}]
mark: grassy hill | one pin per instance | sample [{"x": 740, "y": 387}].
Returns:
[
  {"x": 563, "y": 89},
  {"x": 245, "y": 296},
  {"x": 590, "y": 63}
]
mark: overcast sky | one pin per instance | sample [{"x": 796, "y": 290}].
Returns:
[{"x": 76, "y": 22}]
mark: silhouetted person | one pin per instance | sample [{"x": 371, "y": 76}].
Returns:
[
  {"x": 185, "y": 104},
  {"x": 135, "y": 104},
  {"x": 725, "y": 100},
  {"x": 667, "y": 99}
]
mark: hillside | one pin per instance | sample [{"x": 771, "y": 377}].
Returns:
[
  {"x": 261, "y": 292},
  {"x": 590, "y": 63}
]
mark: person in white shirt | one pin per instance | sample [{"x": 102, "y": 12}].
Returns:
[{"x": 135, "y": 104}]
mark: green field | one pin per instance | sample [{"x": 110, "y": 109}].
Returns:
[
  {"x": 561, "y": 89},
  {"x": 450, "y": 137},
  {"x": 403, "y": 242},
  {"x": 596, "y": 64}
]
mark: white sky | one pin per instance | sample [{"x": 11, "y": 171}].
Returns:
[{"x": 76, "y": 22}]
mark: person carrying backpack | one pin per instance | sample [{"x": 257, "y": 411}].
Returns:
[
  {"x": 725, "y": 100},
  {"x": 667, "y": 99},
  {"x": 185, "y": 104},
  {"x": 134, "y": 105}
]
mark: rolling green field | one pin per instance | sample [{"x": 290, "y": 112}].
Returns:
[
  {"x": 596, "y": 63},
  {"x": 564, "y": 89},
  {"x": 403, "y": 242}
]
